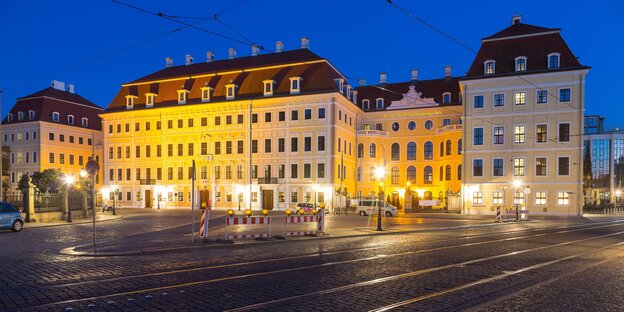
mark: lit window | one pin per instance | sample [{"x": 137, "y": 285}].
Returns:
[
  {"x": 268, "y": 87},
  {"x": 489, "y": 67},
  {"x": 518, "y": 166},
  {"x": 542, "y": 133},
  {"x": 521, "y": 64},
  {"x": 497, "y": 198},
  {"x": 553, "y": 60},
  {"x": 55, "y": 117},
  {"x": 540, "y": 198},
  {"x": 206, "y": 93},
  {"x": 477, "y": 198},
  {"x": 563, "y": 198},
  {"x": 519, "y": 134},
  {"x": 520, "y": 98}
]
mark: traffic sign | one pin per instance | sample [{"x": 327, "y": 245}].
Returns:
[{"x": 92, "y": 167}]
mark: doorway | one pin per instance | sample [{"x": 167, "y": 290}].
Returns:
[
  {"x": 267, "y": 199},
  {"x": 148, "y": 198}
]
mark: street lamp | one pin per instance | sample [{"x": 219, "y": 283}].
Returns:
[
  {"x": 159, "y": 190},
  {"x": 516, "y": 185},
  {"x": 115, "y": 192},
  {"x": 379, "y": 173},
  {"x": 69, "y": 180},
  {"x": 239, "y": 192}
]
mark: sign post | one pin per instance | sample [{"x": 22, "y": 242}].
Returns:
[{"x": 92, "y": 167}]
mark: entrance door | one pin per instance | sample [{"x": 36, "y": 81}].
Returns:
[
  {"x": 148, "y": 198},
  {"x": 267, "y": 199}
]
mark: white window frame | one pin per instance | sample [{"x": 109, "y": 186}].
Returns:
[
  {"x": 84, "y": 122},
  {"x": 366, "y": 104},
  {"x": 537, "y": 96},
  {"x": 31, "y": 115},
  {"x": 482, "y": 136},
  {"x": 558, "y": 55},
  {"x": 524, "y": 166},
  {"x": 535, "y": 167},
  {"x": 494, "y": 100},
  {"x": 205, "y": 91},
  {"x": 498, "y": 200},
  {"x": 514, "y": 133},
  {"x": 563, "y": 200},
  {"x": 130, "y": 101},
  {"x": 493, "y": 167},
  {"x": 377, "y": 103},
  {"x": 569, "y": 134},
  {"x": 473, "y": 101},
  {"x": 444, "y": 97},
  {"x": 70, "y": 119},
  {"x": 298, "y": 87},
  {"x": 56, "y": 117},
  {"x": 494, "y": 135},
  {"x": 559, "y": 95},
  {"x": 516, "y": 63},
  {"x": 482, "y": 168},
  {"x": 269, "y": 84},
  {"x": 150, "y": 98},
  {"x": 536, "y": 135},
  {"x": 479, "y": 201},
  {"x": 485, "y": 67},
  {"x": 516, "y": 93},
  {"x": 569, "y": 163},
  {"x": 182, "y": 96},
  {"x": 20, "y": 116},
  {"x": 545, "y": 199}
]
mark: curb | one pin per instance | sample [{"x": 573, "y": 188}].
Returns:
[{"x": 72, "y": 223}]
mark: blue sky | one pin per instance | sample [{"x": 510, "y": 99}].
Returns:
[{"x": 72, "y": 40}]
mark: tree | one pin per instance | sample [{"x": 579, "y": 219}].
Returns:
[{"x": 47, "y": 181}]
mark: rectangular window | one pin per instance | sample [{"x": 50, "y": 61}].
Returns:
[
  {"x": 307, "y": 171},
  {"x": 180, "y": 149},
  {"x": 110, "y": 152},
  {"x": 158, "y": 150},
  {"x": 281, "y": 171},
  {"x": 499, "y": 99},
  {"x": 497, "y": 198},
  {"x": 203, "y": 173},
  {"x": 293, "y": 171},
  {"x": 307, "y": 144},
  {"x": 228, "y": 172},
  {"x": 321, "y": 142},
  {"x": 158, "y": 125},
  {"x": 147, "y": 126},
  {"x": 520, "y": 98},
  {"x": 217, "y": 148},
  {"x": 281, "y": 145},
  {"x": 477, "y": 198},
  {"x": 293, "y": 144},
  {"x": 499, "y": 169},
  {"x": 307, "y": 114},
  {"x": 254, "y": 146},
  {"x": 563, "y": 198},
  {"x": 240, "y": 147},
  {"x": 170, "y": 173},
  {"x": 137, "y": 126},
  {"x": 294, "y": 115},
  {"x": 478, "y": 136},
  {"x": 180, "y": 173},
  {"x": 169, "y": 124},
  {"x": 62, "y": 137},
  {"x": 542, "y": 96},
  {"x": 128, "y": 174},
  {"x": 294, "y": 197},
  {"x": 254, "y": 171},
  {"x": 321, "y": 113},
  {"x": 191, "y": 149},
  {"x": 51, "y": 158},
  {"x": 148, "y": 151},
  {"x": 138, "y": 174},
  {"x": 540, "y": 166},
  {"x": 267, "y": 117},
  {"x": 518, "y": 166},
  {"x": 564, "y": 166},
  {"x": 519, "y": 134},
  {"x": 542, "y": 133},
  {"x": 228, "y": 120},
  {"x": 320, "y": 171},
  {"x": 138, "y": 151},
  {"x": 217, "y": 172},
  {"x": 159, "y": 173},
  {"x": 477, "y": 167},
  {"x": 217, "y": 120},
  {"x": 204, "y": 121},
  {"x": 239, "y": 171},
  {"x": 540, "y": 198},
  {"x": 190, "y": 122},
  {"x": 228, "y": 147},
  {"x": 499, "y": 135},
  {"x": 564, "y": 95},
  {"x": 282, "y": 116},
  {"x": 254, "y": 118},
  {"x": 267, "y": 145},
  {"x": 240, "y": 119},
  {"x": 564, "y": 132}
]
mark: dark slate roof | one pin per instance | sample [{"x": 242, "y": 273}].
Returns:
[
  {"x": 50, "y": 100},
  {"x": 533, "y": 42},
  {"x": 433, "y": 88},
  {"x": 317, "y": 76}
]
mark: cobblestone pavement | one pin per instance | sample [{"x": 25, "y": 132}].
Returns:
[{"x": 555, "y": 264}]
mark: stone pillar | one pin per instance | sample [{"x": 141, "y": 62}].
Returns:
[
  {"x": 84, "y": 203},
  {"x": 29, "y": 202},
  {"x": 64, "y": 201}
]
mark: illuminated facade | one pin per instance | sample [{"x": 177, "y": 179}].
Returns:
[
  {"x": 52, "y": 128},
  {"x": 524, "y": 103}
]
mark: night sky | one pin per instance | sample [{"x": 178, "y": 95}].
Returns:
[{"x": 98, "y": 44}]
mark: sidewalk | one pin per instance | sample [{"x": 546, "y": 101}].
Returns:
[{"x": 98, "y": 218}]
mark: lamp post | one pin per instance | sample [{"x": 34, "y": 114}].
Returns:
[
  {"x": 239, "y": 192},
  {"x": 69, "y": 180},
  {"x": 517, "y": 185},
  {"x": 115, "y": 192},
  {"x": 316, "y": 188},
  {"x": 379, "y": 173}
]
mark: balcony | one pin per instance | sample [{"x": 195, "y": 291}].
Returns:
[
  {"x": 450, "y": 128},
  {"x": 267, "y": 180},
  {"x": 147, "y": 182},
  {"x": 372, "y": 133}
]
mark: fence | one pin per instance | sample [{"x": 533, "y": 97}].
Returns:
[
  {"x": 16, "y": 199},
  {"x": 47, "y": 202},
  {"x": 75, "y": 201}
]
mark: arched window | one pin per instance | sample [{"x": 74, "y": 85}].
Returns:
[
  {"x": 428, "y": 175},
  {"x": 373, "y": 151},
  {"x": 360, "y": 150},
  {"x": 428, "y": 150},
  {"x": 380, "y": 103},
  {"x": 10, "y": 117},
  {"x": 441, "y": 173},
  {"x": 553, "y": 60},
  {"x": 70, "y": 119},
  {"x": 411, "y": 151},
  {"x": 459, "y": 172},
  {"x": 521, "y": 63},
  {"x": 395, "y": 175},
  {"x": 446, "y": 97},
  {"x": 55, "y": 117},
  {"x": 365, "y": 104},
  {"x": 20, "y": 116},
  {"x": 31, "y": 114},
  {"x": 441, "y": 149},
  {"x": 396, "y": 151},
  {"x": 411, "y": 174},
  {"x": 489, "y": 67},
  {"x": 371, "y": 176},
  {"x": 448, "y": 147},
  {"x": 459, "y": 147},
  {"x": 448, "y": 172}
]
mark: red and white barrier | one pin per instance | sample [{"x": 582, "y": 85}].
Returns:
[
  {"x": 300, "y": 219},
  {"x": 301, "y": 233},
  {"x": 247, "y": 236},
  {"x": 203, "y": 227},
  {"x": 251, "y": 220},
  {"x": 498, "y": 214}
]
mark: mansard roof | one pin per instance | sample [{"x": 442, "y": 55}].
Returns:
[{"x": 50, "y": 100}]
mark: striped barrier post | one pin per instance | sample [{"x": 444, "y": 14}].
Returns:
[
  {"x": 203, "y": 227},
  {"x": 251, "y": 220},
  {"x": 321, "y": 222},
  {"x": 498, "y": 213}
]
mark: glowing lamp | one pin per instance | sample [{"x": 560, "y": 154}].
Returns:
[
  {"x": 288, "y": 212},
  {"x": 265, "y": 212},
  {"x": 230, "y": 212},
  {"x": 248, "y": 212}
]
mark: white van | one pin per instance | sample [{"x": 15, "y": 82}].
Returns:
[{"x": 364, "y": 207}]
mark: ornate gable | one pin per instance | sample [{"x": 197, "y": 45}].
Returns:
[{"x": 412, "y": 99}]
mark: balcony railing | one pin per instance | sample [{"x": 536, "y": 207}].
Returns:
[
  {"x": 267, "y": 180},
  {"x": 372, "y": 133},
  {"x": 450, "y": 128}
]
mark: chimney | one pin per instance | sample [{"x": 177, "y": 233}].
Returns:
[
  {"x": 188, "y": 59},
  {"x": 447, "y": 72},
  {"x": 71, "y": 88},
  {"x": 516, "y": 19},
  {"x": 255, "y": 50},
  {"x": 279, "y": 46},
  {"x": 414, "y": 76},
  {"x": 305, "y": 43},
  {"x": 383, "y": 78},
  {"x": 362, "y": 82},
  {"x": 58, "y": 85},
  {"x": 232, "y": 53},
  {"x": 168, "y": 62},
  {"x": 209, "y": 56}
]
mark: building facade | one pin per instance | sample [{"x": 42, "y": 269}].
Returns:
[
  {"x": 54, "y": 128},
  {"x": 524, "y": 103}
]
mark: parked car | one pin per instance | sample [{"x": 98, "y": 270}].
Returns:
[
  {"x": 307, "y": 208},
  {"x": 11, "y": 217},
  {"x": 365, "y": 207}
]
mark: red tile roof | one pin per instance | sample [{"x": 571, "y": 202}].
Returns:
[
  {"x": 50, "y": 100},
  {"x": 533, "y": 42},
  {"x": 317, "y": 76}
]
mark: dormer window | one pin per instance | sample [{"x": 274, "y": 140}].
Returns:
[
  {"x": 380, "y": 103},
  {"x": 85, "y": 122},
  {"x": 366, "y": 104},
  {"x": 295, "y": 85},
  {"x": 20, "y": 116},
  {"x": 489, "y": 67},
  {"x": 340, "y": 84},
  {"x": 446, "y": 97},
  {"x": 9, "y": 117},
  {"x": 31, "y": 115},
  {"x": 149, "y": 99},
  {"x": 55, "y": 117},
  {"x": 70, "y": 119},
  {"x": 130, "y": 101},
  {"x": 182, "y": 95},
  {"x": 230, "y": 91},
  {"x": 268, "y": 87},
  {"x": 553, "y": 60},
  {"x": 205, "y": 91},
  {"x": 521, "y": 63},
  {"x": 348, "y": 91}
]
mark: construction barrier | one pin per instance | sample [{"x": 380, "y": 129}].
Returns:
[
  {"x": 251, "y": 220},
  {"x": 498, "y": 214},
  {"x": 203, "y": 227},
  {"x": 306, "y": 219},
  {"x": 523, "y": 215}
]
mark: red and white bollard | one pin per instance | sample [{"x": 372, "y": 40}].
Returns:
[
  {"x": 498, "y": 213},
  {"x": 203, "y": 227}
]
